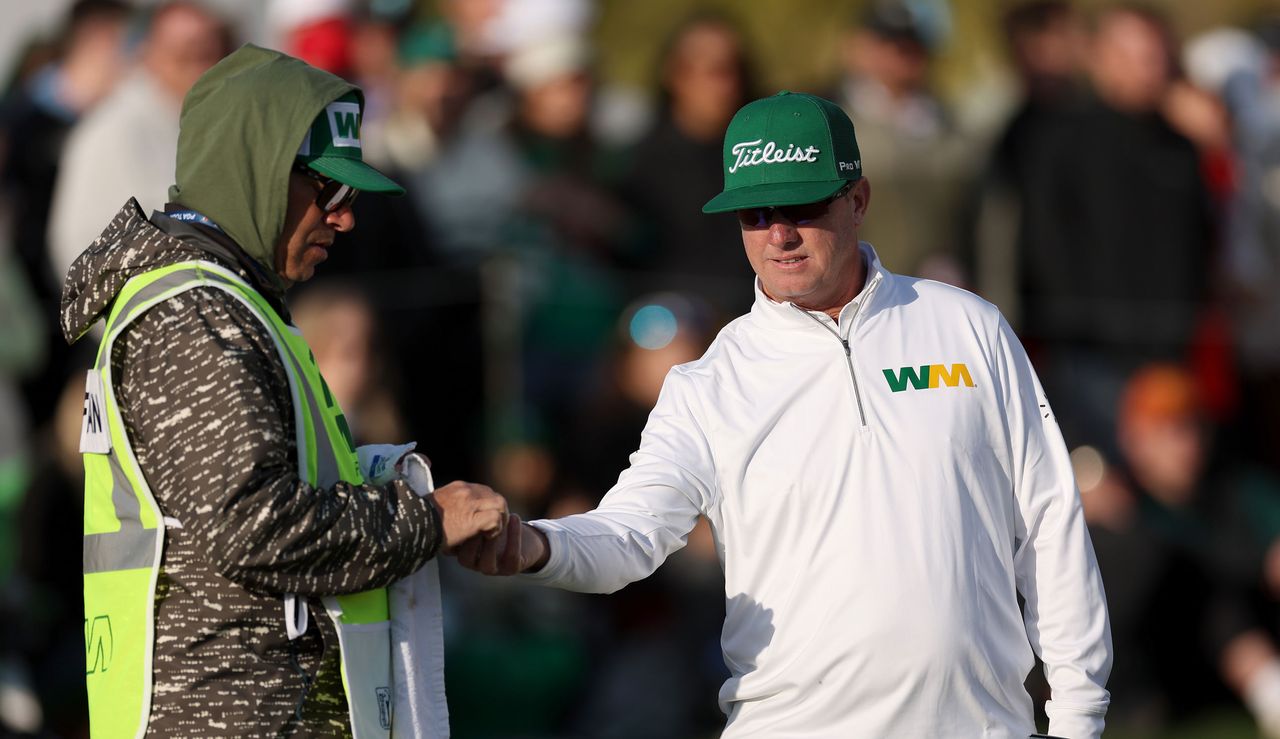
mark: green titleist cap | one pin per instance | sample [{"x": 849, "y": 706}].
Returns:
[
  {"x": 788, "y": 149},
  {"x": 332, "y": 148}
]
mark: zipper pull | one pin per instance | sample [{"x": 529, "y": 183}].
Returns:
[{"x": 845, "y": 344}]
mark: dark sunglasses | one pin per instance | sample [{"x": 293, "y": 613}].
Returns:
[
  {"x": 333, "y": 195},
  {"x": 797, "y": 214}
]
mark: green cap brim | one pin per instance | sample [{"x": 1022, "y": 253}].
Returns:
[
  {"x": 772, "y": 194},
  {"x": 355, "y": 173}
]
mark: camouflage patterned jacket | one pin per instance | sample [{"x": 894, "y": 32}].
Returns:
[{"x": 205, "y": 400}]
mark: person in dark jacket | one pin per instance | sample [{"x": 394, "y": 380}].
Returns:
[
  {"x": 705, "y": 76},
  {"x": 1116, "y": 230},
  {"x": 220, "y": 476}
]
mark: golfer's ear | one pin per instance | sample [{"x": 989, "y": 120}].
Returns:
[{"x": 860, "y": 196}]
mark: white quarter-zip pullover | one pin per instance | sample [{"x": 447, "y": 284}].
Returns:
[{"x": 880, "y": 489}]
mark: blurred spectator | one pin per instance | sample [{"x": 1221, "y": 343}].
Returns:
[
  {"x": 339, "y": 325},
  {"x": 675, "y": 616},
  {"x": 465, "y": 178},
  {"x": 431, "y": 94},
  {"x": 21, "y": 350},
  {"x": 1242, "y": 69},
  {"x": 1201, "y": 117},
  {"x": 1181, "y": 532},
  {"x": 655, "y": 333},
  {"x": 318, "y": 32},
  {"x": 487, "y": 32},
  {"x": 568, "y": 229},
  {"x": 375, "y": 38},
  {"x": 911, "y": 148},
  {"x": 34, "y": 120},
  {"x": 473, "y": 24},
  {"x": 704, "y": 78},
  {"x": 525, "y": 177},
  {"x": 461, "y": 189},
  {"x": 1116, "y": 233},
  {"x": 1045, "y": 39},
  {"x": 49, "y": 562},
  {"x": 128, "y": 145}
]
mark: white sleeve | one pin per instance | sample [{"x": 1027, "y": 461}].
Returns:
[
  {"x": 1055, "y": 567},
  {"x": 647, "y": 515}
]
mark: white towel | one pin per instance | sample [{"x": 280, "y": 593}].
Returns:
[
  {"x": 417, "y": 617},
  {"x": 417, "y": 638}
]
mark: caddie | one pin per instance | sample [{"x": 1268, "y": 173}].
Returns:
[
  {"x": 238, "y": 551},
  {"x": 881, "y": 471}
]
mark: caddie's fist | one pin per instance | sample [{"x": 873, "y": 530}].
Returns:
[
  {"x": 522, "y": 548},
  {"x": 468, "y": 509}
]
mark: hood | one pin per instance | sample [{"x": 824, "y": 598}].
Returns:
[
  {"x": 129, "y": 246},
  {"x": 133, "y": 244},
  {"x": 242, "y": 124}
]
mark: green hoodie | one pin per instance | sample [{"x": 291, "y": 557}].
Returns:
[{"x": 242, "y": 124}]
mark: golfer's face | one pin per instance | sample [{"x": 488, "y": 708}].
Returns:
[{"x": 808, "y": 255}]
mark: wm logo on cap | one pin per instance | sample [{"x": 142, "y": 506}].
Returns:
[{"x": 344, "y": 124}]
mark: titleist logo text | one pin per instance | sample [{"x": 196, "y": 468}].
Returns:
[{"x": 750, "y": 153}]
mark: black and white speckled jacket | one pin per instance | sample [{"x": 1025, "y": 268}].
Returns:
[{"x": 206, "y": 404}]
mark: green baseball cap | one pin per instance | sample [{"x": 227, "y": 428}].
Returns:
[
  {"x": 332, "y": 148},
  {"x": 787, "y": 149}
]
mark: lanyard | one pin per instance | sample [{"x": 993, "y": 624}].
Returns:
[{"x": 191, "y": 216}]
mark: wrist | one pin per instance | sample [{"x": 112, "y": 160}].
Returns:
[
  {"x": 540, "y": 550},
  {"x": 436, "y": 513}
]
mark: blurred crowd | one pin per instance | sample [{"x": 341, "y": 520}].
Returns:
[{"x": 516, "y": 312}]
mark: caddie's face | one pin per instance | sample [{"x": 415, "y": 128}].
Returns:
[
  {"x": 308, "y": 231},
  {"x": 816, "y": 264}
]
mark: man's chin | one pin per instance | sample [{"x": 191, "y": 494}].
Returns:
[
  {"x": 785, "y": 291},
  {"x": 302, "y": 273}
]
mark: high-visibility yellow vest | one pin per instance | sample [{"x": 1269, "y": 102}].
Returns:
[{"x": 124, "y": 529}]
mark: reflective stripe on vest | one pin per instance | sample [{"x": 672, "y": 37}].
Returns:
[{"x": 124, "y": 536}]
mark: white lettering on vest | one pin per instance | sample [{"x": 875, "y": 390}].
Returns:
[{"x": 95, "y": 437}]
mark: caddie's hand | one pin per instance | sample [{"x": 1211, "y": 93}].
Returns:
[
  {"x": 469, "y": 510},
  {"x": 522, "y": 548}
]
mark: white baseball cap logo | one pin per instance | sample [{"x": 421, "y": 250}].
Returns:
[
  {"x": 344, "y": 123},
  {"x": 751, "y": 153}
]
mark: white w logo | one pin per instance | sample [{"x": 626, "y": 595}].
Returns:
[{"x": 344, "y": 123}]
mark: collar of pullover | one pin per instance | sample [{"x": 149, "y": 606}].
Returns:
[{"x": 787, "y": 315}]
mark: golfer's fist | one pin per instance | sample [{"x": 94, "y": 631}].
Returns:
[
  {"x": 468, "y": 509},
  {"x": 522, "y": 548}
]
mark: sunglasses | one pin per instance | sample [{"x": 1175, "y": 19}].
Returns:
[
  {"x": 796, "y": 214},
  {"x": 333, "y": 195}
]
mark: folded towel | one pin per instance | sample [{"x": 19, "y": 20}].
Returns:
[
  {"x": 417, "y": 613},
  {"x": 417, "y": 637}
]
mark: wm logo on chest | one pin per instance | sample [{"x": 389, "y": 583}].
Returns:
[{"x": 928, "y": 376}]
